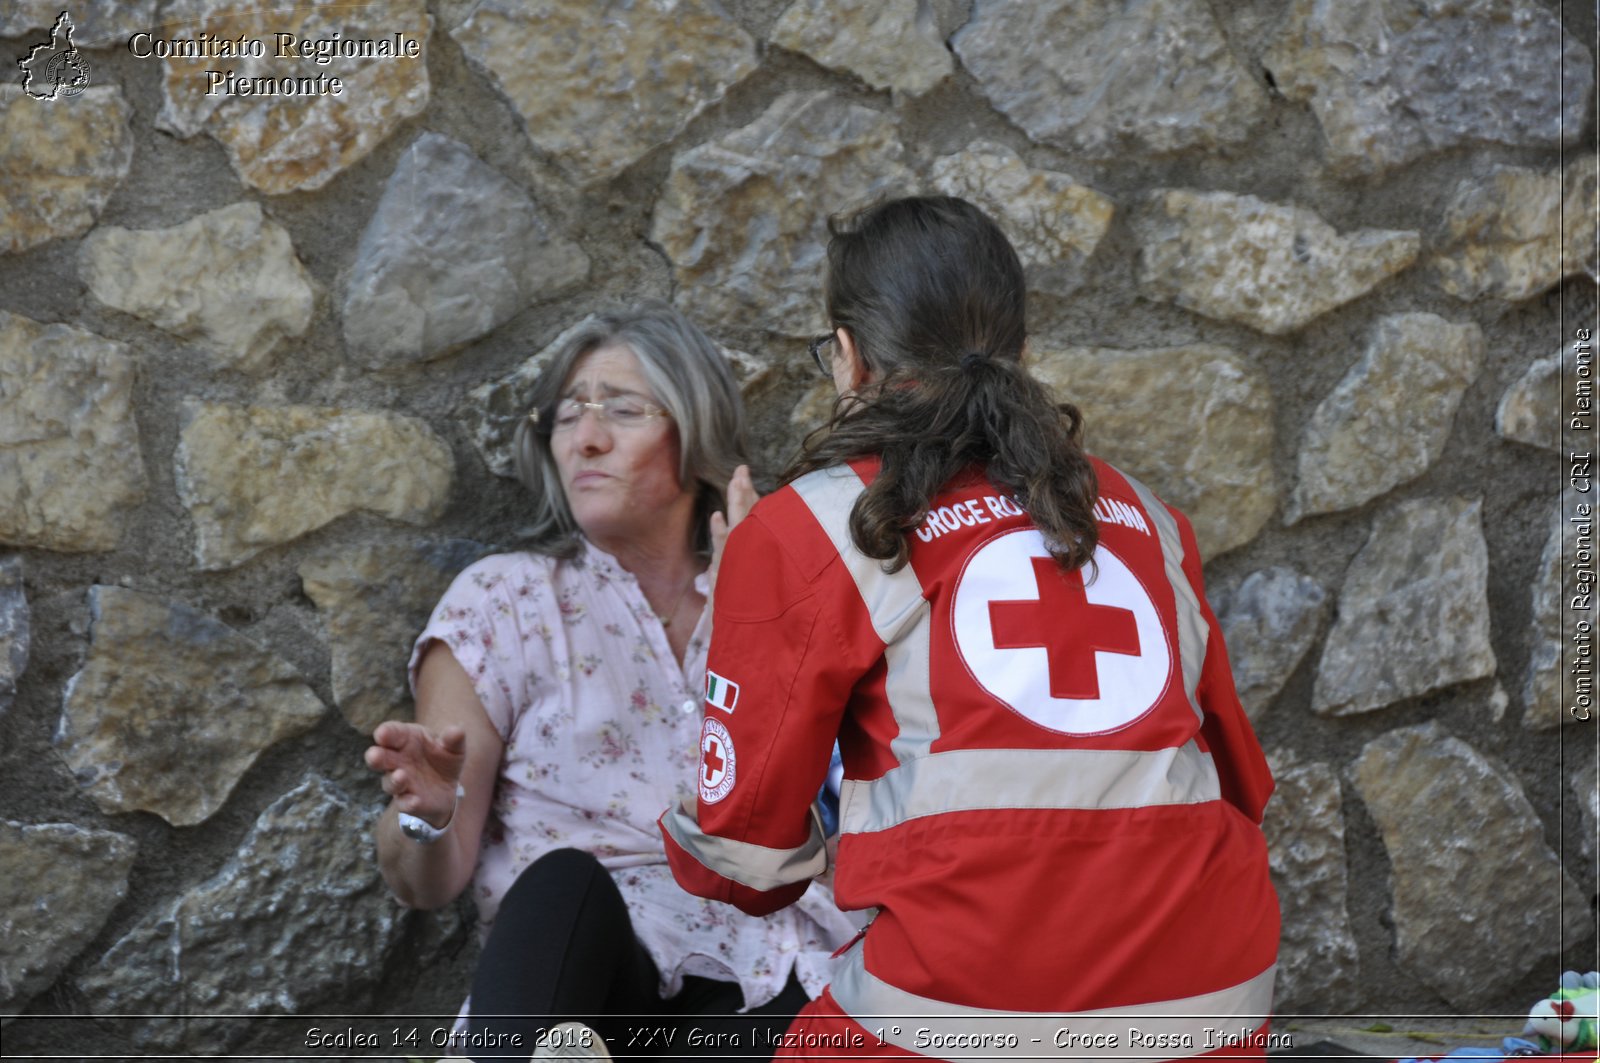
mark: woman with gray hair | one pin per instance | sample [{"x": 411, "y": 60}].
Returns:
[{"x": 559, "y": 701}]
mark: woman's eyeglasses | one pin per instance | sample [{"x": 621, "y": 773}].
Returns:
[
  {"x": 619, "y": 411},
  {"x": 816, "y": 347}
]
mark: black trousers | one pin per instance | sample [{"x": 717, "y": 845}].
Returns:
[{"x": 563, "y": 947}]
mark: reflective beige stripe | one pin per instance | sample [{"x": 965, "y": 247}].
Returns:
[
  {"x": 1192, "y": 631},
  {"x": 908, "y": 688},
  {"x": 1169, "y": 1029},
  {"x": 1028, "y": 778},
  {"x": 746, "y": 863},
  {"x": 895, "y": 604}
]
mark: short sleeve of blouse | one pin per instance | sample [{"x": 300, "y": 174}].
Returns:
[{"x": 486, "y": 618}]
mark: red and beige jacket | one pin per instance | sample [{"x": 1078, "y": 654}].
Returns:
[{"x": 1052, "y": 797}]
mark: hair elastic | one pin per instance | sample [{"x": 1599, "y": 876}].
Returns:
[{"x": 970, "y": 360}]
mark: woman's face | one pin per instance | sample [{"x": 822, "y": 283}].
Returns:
[{"x": 621, "y": 482}]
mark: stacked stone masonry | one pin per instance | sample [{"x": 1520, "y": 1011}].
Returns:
[{"x": 1314, "y": 272}]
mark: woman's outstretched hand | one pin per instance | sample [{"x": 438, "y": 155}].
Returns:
[
  {"x": 420, "y": 768},
  {"x": 742, "y": 498}
]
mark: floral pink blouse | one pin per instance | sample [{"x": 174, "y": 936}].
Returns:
[{"x": 602, "y": 732}]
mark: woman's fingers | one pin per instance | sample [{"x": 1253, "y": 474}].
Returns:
[
  {"x": 393, "y": 744},
  {"x": 395, "y": 748},
  {"x": 420, "y": 769},
  {"x": 454, "y": 741},
  {"x": 405, "y": 739},
  {"x": 379, "y": 759}
]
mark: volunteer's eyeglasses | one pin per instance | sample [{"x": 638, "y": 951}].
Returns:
[
  {"x": 816, "y": 347},
  {"x": 620, "y": 411}
]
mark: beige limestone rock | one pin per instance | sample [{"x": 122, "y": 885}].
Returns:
[
  {"x": 299, "y": 908},
  {"x": 815, "y": 406},
  {"x": 1388, "y": 420},
  {"x": 291, "y": 143},
  {"x": 1110, "y": 80},
  {"x": 753, "y": 373},
  {"x": 1053, "y": 222},
  {"x": 1392, "y": 81},
  {"x": 1317, "y": 44},
  {"x": 768, "y": 386},
  {"x": 1530, "y": 410},
  {"x": 804, "y": 416},
  {"x": 172, "y": 707},
  {"x": 1518, "y": 232},
  {"x": 1194, "y": 423},
  {"x": 889, "y": 44},
  {"x": 102, "y": 24},
  {"x": 1272, "y": 267},
  {"x": 1478, "y": 896},
  {"x": 69, "y": 445},
  {"x": 1318, "y": 961},
  {"x": 1550, "y": 690},
  {"x": 61, "y": 884},
  {"x": 1268, "y": 622},
  {"x": 599, "y": 83},
  {"x": 453, "y": 251},
  {"x": 374, "y": 601},
  {"x": 227, "y": 279},
  {"x": 59, "y": 163},
  {"x": 256, "y": 476},
  {"x": 1413, "y": 612},
  {"x": 743, "y": 218}
]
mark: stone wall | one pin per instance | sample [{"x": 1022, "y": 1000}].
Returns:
[{"x": 1313, "y": 271}]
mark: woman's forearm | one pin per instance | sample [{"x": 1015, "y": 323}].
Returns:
[{"x": 450, "y": 722}]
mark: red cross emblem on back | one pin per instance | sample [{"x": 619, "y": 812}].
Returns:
[
  {"x": 1072, "y": 652},
  {"x": 1067, "y": 626}
]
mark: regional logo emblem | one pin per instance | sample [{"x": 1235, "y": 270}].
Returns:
[{"x": 55, "y": 69}]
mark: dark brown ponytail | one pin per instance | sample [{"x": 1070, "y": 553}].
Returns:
[{"x": 933, "y": 294}]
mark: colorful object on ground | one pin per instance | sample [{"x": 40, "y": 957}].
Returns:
[
  {"x": 1566, "y": 1019},
  {"x": 1562, "y": 1025}
]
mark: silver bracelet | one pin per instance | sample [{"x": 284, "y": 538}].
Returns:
[{"x": 420, "y": 830}]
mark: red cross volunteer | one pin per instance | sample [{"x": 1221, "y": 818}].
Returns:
[
  {"x": 1051, "y": 807},
  {"x": 1114, "y": 835}
]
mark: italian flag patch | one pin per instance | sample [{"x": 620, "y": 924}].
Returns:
[{"x": 721, "y": 693}]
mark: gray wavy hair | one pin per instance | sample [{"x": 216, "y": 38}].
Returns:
[{"x": 688, "y": 376}]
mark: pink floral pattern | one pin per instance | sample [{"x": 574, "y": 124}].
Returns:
[{"x": 602, "y": 733}]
